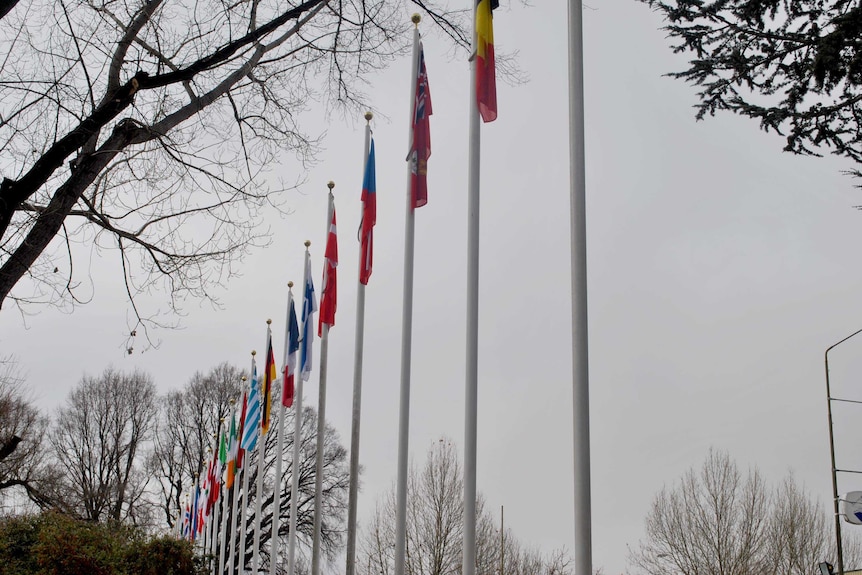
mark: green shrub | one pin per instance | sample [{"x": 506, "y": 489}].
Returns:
[{"x": 54, "y": 544}]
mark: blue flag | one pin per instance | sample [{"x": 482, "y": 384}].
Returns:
[{"x": 309, "y": 306}]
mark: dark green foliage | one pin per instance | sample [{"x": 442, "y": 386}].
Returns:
[
  {"x": 794, "y": 65},
  {"x": 54, "y": 544}
]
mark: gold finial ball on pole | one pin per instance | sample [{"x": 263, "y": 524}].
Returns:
[
  {"x": 243, "y": 378},
  {"x": 308, "y": 243},
  {"x": 368, "y": 116},
  {"x": 290, "y": 284},
  {"x": 232, "y": 402},
  {"x": 416, "y": 18},
  {"x": 269, "y": 322},
  {"x": 253, "y": 352},
  {"x": 330, "y": 185}
]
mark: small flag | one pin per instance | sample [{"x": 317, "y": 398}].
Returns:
[
  {"x": 240, "y": 452},
  {"x": 369, "y": 218},
  {"x": 232, "y": 453},
  {"x": 252, "y": 416},
  {"x": 194, "y": 530},
  {"x": 269, "y": 376},
  {"x": 329, "y": 288},
  {"x": 212, "y": 487},
  {"x": 486, "y": 80},
  {"x": 288, "y": 387},
  {"x": 222, "y": 451},
  {"x": 187, "y": 516},
  {"x": 421, "y": 148},
  {"x": 309, "y": 306}
]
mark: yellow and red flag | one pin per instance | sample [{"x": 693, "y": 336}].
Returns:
[
  {"x": 486, "y": 77},
  {"x": 270, "y": 375}
]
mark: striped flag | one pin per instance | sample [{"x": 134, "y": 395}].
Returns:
[
  {"x": 486, "y": 76},
  {"x": 288, "y": 387},
  {"x": 421, "y": 148},
  {"x": 251, "y": 425},
  {"x": 309, "y": 306},
  {"x": 369, "y": 218},
  {"x": 269, "y": 376},
  {"x": 329, "y": 287}
]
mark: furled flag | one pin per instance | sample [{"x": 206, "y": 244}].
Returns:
[
  {"x": 222, "y": 456},
  {"x": 187, "y": 525},
  {"x": 240, "y": 452},
  {"x": 329, "y": 288},
  {"x": 309, "y": 306},
  {"x": 194, "y": 531},
  {"x": 212, "y": 486},
  {"x": 269, "y": 376},
  {"x": 421, "y": 148},
  {"x": 251, "y": 427},
  {"x": 369, "y": 218},
  {"x": 232, "y": 453},
  {"x": 288, "y": 386},
  {"x": 486, "y": 76},
  {"x": 205, "y": 491}
]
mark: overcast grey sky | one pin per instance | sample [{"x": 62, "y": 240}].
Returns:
[{"x": 720, "y": 269}]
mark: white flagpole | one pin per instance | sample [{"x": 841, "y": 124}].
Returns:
[
  {"x": 406, "y": 339},
  {"x": 297, "y": 438},
  {"x": 223, "y": 534},
  {"x": 258, "y": 500},
  {"x": 242, "y": 508},
  {"x": 236, "y": 493},
  {"x": 216, "y": 506},
  {"x": 353, "y": 491},
  {"x": 279, "y": 456},
  {"x": 208, "y": 528},
  {"x": 321, "y": 412},
  {"x": 580, "y": 349},
  {"x": 242, "y": 521},
  {"x": 472, "y": 375}
]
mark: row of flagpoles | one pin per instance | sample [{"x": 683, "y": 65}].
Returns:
[{"x": 201, "y": 521}]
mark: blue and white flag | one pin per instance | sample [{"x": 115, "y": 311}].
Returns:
[
  {"x": 251, "y": 427},
  {"x": 309, "y": 306}
]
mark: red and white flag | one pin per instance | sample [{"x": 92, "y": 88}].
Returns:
[
  {"x": 329, "y": 291},
  {"x": 420, "y": 149},
  {"x": 289, "y": 384}
]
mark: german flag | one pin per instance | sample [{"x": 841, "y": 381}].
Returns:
[{"x": 486, "y": 81}]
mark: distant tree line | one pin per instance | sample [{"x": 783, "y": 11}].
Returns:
[
  {"x": 721, "y": 520},
  {"x": 118, "y": 452}
]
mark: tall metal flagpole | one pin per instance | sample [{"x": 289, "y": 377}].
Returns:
[
  {"x": 353, "y": 491},
  {"x": 472, "y": 376},
  {"x": 406, "y": 338},
  {"x": 297, "y": 439},
  {"x": 231, "y": 562},
  {"x": 242, "y": 508},
  {"x": 321, "y": 414},
  {"x": 580, "y": 350},
  {"x": 279, "y": 456},
  {"x": 227, "y": 493},
  {"x": 258, "y": 500}
]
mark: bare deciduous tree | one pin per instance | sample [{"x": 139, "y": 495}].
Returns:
[
  {"x": 22, "y": 429},
  {"x": 435, "y": 518},
  {"x": 147, "y": 127},
  {"x": 98, "y": 438},
  {"x": 187, "y": 422},
  {"x": 719, "y": 521}
]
